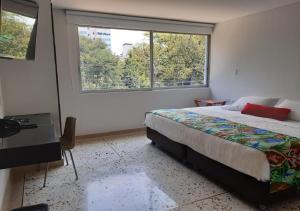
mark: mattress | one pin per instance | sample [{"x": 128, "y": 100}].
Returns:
[{"x": 241, "y": 158}]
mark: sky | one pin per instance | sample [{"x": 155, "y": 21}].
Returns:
[
  {"x": 22, "y": 18},
  {"x": 119, "y": 37}
]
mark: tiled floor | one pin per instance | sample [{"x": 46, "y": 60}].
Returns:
[{"x": 128, "y": 173}]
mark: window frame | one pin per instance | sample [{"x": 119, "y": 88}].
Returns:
[{"x": 151, "y": 68}]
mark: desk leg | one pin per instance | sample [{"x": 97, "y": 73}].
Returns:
[{"x": 45, "y": 177}]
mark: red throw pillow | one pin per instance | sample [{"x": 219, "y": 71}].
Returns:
[{"x": 266, "y": 111}]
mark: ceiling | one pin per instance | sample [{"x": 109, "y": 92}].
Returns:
[{"x": 212, "y": 11}]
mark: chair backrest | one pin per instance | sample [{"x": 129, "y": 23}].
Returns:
[{"x": 68, "y": 138}]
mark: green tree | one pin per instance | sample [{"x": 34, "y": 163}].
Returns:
[
  {"x": 99, "y": 67},
  {"x": 136, "y": 69},
  {"x": 14, "y": 36},
  {"x": 178, "y": 58}
]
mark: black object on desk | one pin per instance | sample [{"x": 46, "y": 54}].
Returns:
[
  {"x": 38, "y": 207},
  {"x": 9, "y": 127},
  {"x": 31, "y": 145}
]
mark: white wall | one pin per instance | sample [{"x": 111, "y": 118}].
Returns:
[
  {"x": 103, "y": 112},
  {"x": 3, "y": 173},
  {"x": 265, "y": 48},
  {"x": 30, "y": 86}
]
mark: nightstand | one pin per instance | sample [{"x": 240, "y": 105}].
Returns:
[{"x": 199, "y": 102}]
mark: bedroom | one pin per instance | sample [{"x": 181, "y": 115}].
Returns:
[{"x": 247, "y": 49}]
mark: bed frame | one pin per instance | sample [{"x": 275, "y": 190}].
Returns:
[{"x": 246, "y": 187}]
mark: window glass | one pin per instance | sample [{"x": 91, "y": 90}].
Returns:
[
  {"x": 118, "y": 59},
  {"x": 179, "y": 59},
  {"x": 114, "y": 59},
  {"x": 18, "y": 29}
]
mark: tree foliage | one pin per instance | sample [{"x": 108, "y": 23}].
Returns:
[
  {"x": 136, "y": 71},
  {"x": 14, "y": 35},
  {"x": 99, "y": 67},
  {"x": 178, "y": 58}
]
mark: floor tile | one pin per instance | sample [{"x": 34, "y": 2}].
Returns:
[
  {"x": 182, "y": 184},
  {"x": 135, "y": 148},
  {"x": 98, "y": 152},
  {"x": 90, "y": 153},
  {"x": 107, "y": 188},
  {"x": 221, "y": 202},
  {"x": 228, "y": 202},
  {"x": 85, "y": 173},
  {"x": 128, "y": 173}
]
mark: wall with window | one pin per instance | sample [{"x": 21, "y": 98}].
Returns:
[
  {"x": 29, "y": 86},
  {"x": 114, "y": 108},
  {"x": 257, "y": 55}
]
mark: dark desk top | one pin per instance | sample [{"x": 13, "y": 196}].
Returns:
[
  {"x": 43, "y": 134},
  {"x": 31, "y": 146},
  {"x": 43, "y": 118}
]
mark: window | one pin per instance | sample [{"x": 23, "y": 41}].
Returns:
[
  {"x": 114, "y": 59},
  {"x": 18, "y": 29},
  {"x": 117, "y": 59},
  {"x": 179, "y": 59}
]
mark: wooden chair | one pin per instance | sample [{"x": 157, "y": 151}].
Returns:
[{"x": 67, "y": 143}]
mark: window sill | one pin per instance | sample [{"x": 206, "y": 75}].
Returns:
[{"x": 141, "y": 90}]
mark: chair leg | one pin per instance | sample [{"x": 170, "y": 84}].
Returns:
[
  {"x": 45, "y": 177},
  {"x": 65, "y": 156},
  {"x": 73, "y": 164}
]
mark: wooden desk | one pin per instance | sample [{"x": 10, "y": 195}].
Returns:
[
  {"x": 208, "y": 102},
  {"x": 31, "y": 146}
]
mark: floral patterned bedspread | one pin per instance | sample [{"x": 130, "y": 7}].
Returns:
[{"x": 282, "y": 151}]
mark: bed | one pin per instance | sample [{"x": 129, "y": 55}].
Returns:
[{"x": 241, "y": 168}]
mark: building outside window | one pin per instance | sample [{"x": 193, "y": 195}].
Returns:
[{"x": 96, "y": 33}]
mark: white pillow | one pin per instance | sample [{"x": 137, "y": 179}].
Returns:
[
  {"x": 231, "y": 108},
  {"x": 294, "y": 106},
  {"x": 240, "y": 103}
]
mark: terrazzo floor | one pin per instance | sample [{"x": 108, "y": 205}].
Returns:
[{"x": 128, "y": 173}]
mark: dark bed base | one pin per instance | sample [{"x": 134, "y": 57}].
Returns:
[{"x": 247, "y": 187}]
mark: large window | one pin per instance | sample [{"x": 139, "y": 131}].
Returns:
[{"x": 117, "y": 59}]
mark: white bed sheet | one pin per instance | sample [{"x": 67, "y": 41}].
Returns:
[{"x": 241, "y": 158}]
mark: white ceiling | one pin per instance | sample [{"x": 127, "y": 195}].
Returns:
[{"x": 212, "y": 11}]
